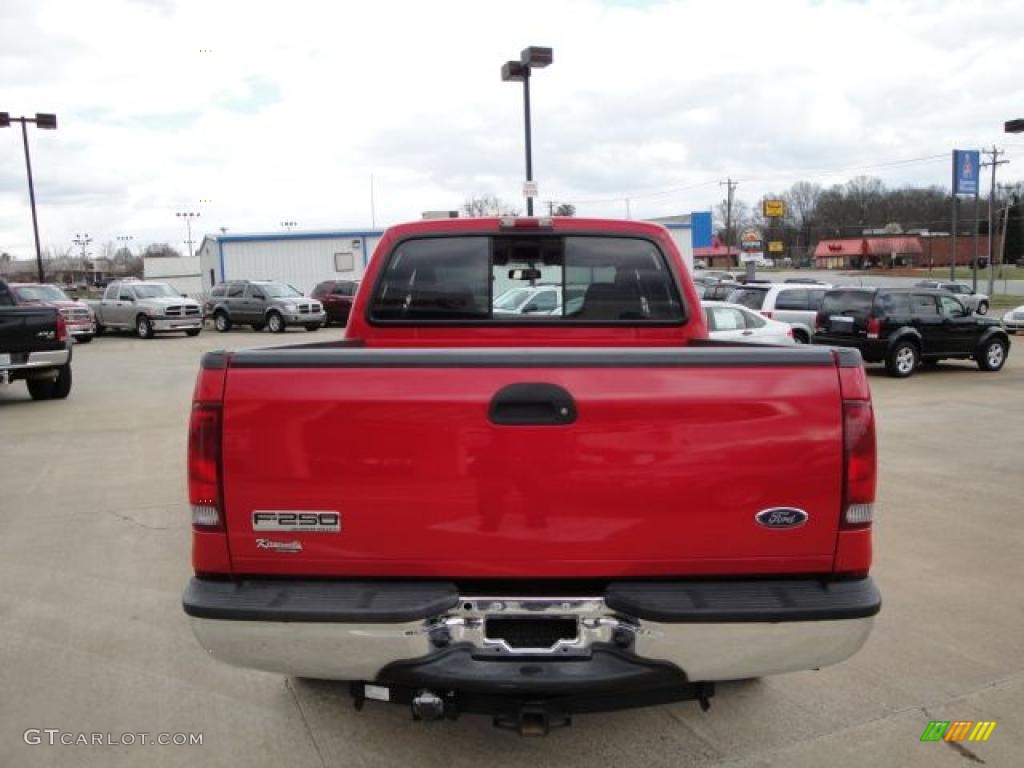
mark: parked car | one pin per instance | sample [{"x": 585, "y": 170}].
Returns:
[
  {"x": 391, "y": 495},
  {"x": 974, "y": 301},
  {"x": 1013, "y": 320},
  {"x": 787, "y": 302},
  {"x": 719, "y": 290},
  {"x": 733, "y": 322},
  {"x": 79, "y": 318},
  {"x": 262, "y": 304},
  {"x": 805, "y": 281},
  {"x": 34, "y": 347},
  {"x": 336, "y": 297},
  {"x": 717, "y": 274},
  {"x": 904, "y": 327},
  {"x": 146, "y": 307}
]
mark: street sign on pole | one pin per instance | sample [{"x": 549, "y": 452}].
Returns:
[
  {"x": 529, "y": 189},
  {"x": 774, "y": 246},
  {"x": 773, "y": 209},
  {"x": 966, "y": 168}
]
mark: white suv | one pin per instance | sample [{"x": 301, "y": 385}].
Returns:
[{"x": 793, "y": 303}]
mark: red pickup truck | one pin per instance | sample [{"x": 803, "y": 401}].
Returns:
[{"x": 531, "y": 515}]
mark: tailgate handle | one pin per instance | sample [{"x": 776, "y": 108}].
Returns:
[{"x": 531, "y": 404}]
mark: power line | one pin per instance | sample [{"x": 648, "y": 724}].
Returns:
[{"x": 788, "y": 175}]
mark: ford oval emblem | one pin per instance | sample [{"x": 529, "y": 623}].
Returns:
[{"x": 781, "y": 517}]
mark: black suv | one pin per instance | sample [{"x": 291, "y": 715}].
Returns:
[{"x": 904, "y": 327}]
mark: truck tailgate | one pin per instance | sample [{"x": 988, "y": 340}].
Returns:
[{"x": 658, "y": 467}]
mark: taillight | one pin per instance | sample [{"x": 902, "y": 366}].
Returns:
[
  {"x": 789, "y": 331},
  {"x": 62, "y": 328},
  {"x": 859, "y": 464},
  {"x": 204, "y": 459},
  {"x": 874, "y": 327},
  {"x": 820, "y": 321}
]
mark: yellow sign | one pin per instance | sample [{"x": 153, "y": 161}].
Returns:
[
  {"x": 774, "y": 246},
  {"x": 773, "y": 209}
]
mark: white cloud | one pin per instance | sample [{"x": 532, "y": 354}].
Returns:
[{"x": 297, "y": 104}]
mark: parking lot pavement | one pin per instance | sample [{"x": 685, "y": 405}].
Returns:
[{"x": 94, "y": 553}]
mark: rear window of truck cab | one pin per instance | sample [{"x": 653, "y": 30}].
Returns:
[{"x": 527, "y": 279}]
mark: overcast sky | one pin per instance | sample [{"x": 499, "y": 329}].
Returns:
[{"x": 296, "y": 104}]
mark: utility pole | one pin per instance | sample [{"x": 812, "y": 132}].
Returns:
[
  {"x": 994, "y": 163},
  {"x": 629, "y": 214},
  {"x": 731, "y": 185}
]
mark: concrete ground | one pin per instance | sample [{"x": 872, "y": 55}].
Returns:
[{"x": 94, "y": 553}]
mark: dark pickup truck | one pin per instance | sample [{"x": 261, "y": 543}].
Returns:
[{"x": 34, "y": 347}]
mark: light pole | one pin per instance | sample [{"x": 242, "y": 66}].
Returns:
[
  {"x": 46, "y": 121},
  {"x": 126, "y": 239},
  {"x": 82, "y": 241},
  {"x": 188, "y": 216},
  {"x": 289, "y": 225},
  {"x": 519, "y": 71}
]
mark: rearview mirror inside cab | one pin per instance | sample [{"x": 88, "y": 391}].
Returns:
[{"x": 524, "y": 274}]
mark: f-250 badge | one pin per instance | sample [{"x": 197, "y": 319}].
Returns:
[{"x": 296, "y": 521}]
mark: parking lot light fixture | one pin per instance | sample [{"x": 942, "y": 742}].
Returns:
[
  {"x": 188, "y": 216},
  {"x": 45, "y": 121},
  {"x": 533, "y": 57},
  {"x": 1014, "y": 126}
]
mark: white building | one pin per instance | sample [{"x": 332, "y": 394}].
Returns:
[
  {"x": 301, "y": 259},
  {"x": 305, "y": 258},
  {"x": 180, "y": 272}
]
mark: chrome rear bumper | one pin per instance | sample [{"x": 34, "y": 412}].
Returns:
[{"x": 702, "y": 650}]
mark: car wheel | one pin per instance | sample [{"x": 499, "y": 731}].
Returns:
[
  {"x": 313, "y": 326},
  {"x": 51, "y": 389},
  {"x": 222, "y": 322},
  {"x": 83, "y": 339},
  {"x": 800, "y": 337},
  {"x": 275, "y": 323},
  {"x": 902, "y": 359},
  {"x": 992, "y": 355},
  {"x": 100, "y": 329},
  {"x": 143, "y": 328},
  {"x": 193, "y": 332},
  {"x": 983, "y": 308}
]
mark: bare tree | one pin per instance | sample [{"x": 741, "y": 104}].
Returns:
[
  {"x": 160, "y": 250},
  {"x": 565, "y": 209},
  {"x": 488, "y": 205}
]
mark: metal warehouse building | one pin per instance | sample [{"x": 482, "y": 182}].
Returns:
[
  {"x": 305, "y": 258},
  {"x": 301, "y": 259}
]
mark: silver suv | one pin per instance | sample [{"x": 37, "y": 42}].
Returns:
[
  {"x": 262, "y": 304},
  {"x": 793, "y": 303}
]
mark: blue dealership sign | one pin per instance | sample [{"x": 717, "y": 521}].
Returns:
[{"x": 966, "y": 165}]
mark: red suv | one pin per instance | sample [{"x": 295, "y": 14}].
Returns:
[{"x": 336, "y": 296}]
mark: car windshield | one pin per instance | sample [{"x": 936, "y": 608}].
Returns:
[
  {"x": 278, "y": 290},
  {"x": 153, "y": 290},
  {"x": 512, "y": 299},
  {"x": 40, "y": 293}
]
